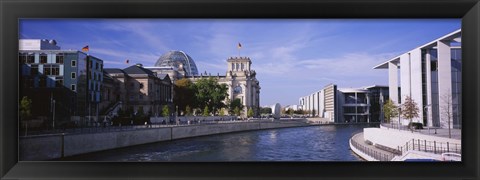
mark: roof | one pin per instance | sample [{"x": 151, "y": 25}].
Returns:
[
  {"x": 138, "y": 70},
  {"x": 113, "y": 70},
  {"x": 453, "y": 36},
  {"x": 352, "y": 90},
  {"x": 375, "y": 86},
  {"x": 163, "y": 76}
]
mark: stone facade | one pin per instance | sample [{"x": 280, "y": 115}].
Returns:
[{"x": 241, "y": 82}]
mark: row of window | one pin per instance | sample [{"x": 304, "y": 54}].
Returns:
[
  {"x": 238, "y": 66},
  {"x": 30, "y": 58}
]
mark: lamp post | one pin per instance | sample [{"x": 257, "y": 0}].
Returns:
[
  {"x": 426, "y": 110},
  {"x": 399, "y": 110}
]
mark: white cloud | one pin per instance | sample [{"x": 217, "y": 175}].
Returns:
[{"x": 121, "y": 56}]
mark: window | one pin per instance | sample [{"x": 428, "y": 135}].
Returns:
[
  {"x": 74, "y": 63},
  {"x": 237, "y": 90},
  {"x": 55, "y": 70},
  {"x": 43, "y": 58},
  {"x": 233, "y": 66},
  {"x": 74, "y": 75},
  {"x": 30, "y": 58},
  {"x": 34, "y": 70},
  {"x": 47, "y": 70},
  {"x": 59, "y": 59},
  {"x": 242, "y": 66},
  {"x": 97, "y": 66},
  {"x": 90, "y": 64},
  {"x": 433, "y": 65},
  {"x": 73, "y": 87}
]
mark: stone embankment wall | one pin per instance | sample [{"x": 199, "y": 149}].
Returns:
[{"x": 47, "y": 147}]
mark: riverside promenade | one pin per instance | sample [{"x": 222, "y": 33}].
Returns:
[
  {"x": 388, "y": 143},
  {"x": 54, "y": 146}
]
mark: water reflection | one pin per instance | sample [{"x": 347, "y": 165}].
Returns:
[{"x": 316, "y": 143}]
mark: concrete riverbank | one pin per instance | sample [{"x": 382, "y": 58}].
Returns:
[
  {"x": 46, "y": 147},
  {"x": 388, "y": 144}
]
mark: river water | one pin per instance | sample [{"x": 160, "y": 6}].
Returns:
[{"x": 314, "y": 143}]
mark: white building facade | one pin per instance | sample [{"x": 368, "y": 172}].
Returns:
[
  {"x": 431, "y": 76},
  {"x": 346, "y": 105},
  {"x": 321, "y": 103}
]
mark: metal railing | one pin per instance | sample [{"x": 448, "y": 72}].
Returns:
[
  {"x": 380, "y": 156},
  {"x": 431, "y": 147},
  {"x": 114, "y": 128}
]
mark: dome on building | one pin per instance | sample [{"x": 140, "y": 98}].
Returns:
[{"x": 178, "y": 59}]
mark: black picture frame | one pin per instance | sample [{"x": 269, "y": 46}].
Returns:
[{"x": 11, "y": 11}]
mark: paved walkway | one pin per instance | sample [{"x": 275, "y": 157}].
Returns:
[
  {"x": 360, "y": 140},
  {"x": 440, "y": 132}
]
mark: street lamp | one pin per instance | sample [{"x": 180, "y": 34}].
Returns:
[
  {"x": 426, "y": 110},
  {"x": 399, "y": 110}
]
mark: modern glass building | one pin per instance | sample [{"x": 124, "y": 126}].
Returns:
[
  {"x": 346, "y": 105},
  {"x": 431, "y": 76}
]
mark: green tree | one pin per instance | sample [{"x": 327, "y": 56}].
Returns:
[
  {"x": 209, "y": 93},
  {"x": 235, "y": 104},
  {"x": 165, "y": 111},
  {"x": 409, "y": 109},
  {"x": 390, "y": 110},
  {"x": 188, "y": 110},
  {"x": 184, "y": 94},
  {"x": 205, "y": 111},
  {"x": 266, "y": 110},
  {"x": 222, "y": 112},
  {"x": 250, "y": 112},
  {"x": 237, "y": 111},
  {"x": 299, "y": 111},
  {"x": 25, "y": 108}
]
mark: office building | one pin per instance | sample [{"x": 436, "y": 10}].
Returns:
[
  {"x": 431, "y": 75},
  {"x": 62, "y": 84}
]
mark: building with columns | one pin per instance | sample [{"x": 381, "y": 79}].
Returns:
[
  {"x": 240, "y": 78},
  {"x": 346, "y": 105},
  {"x": 241, "y": 82},
  {"x": 431, "y": 75}
]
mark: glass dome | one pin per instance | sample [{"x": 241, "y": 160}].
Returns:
[{"x": 177, "y": 59}]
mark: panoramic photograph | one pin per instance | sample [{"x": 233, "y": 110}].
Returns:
[{"x": 237, "y": 90}]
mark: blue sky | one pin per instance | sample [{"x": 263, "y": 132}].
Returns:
[{"x": 292, "y": 57}]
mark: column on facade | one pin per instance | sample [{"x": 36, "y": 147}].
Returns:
[
  {"x": 393, "y": 82},
  {"x": 428, "y": 74},
  {"x": 444, "y": 83},
  {"x": 416, "y": 82},
  {"x": 405, "y": 81}
]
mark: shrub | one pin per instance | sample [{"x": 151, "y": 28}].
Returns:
[{"x": 415, "y": 125}]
